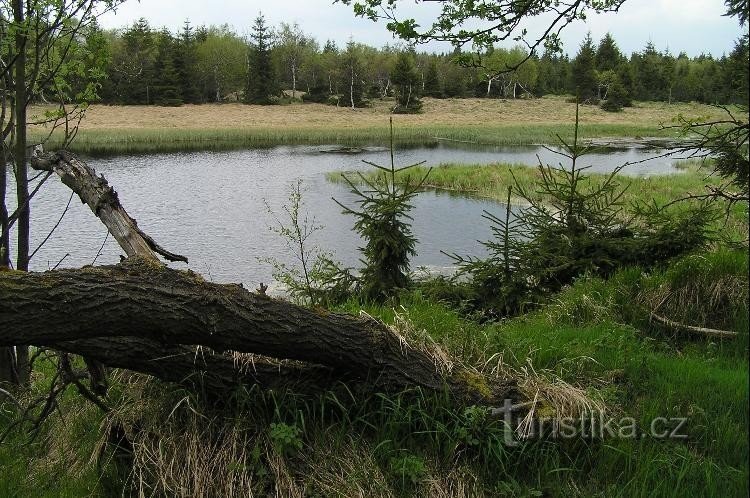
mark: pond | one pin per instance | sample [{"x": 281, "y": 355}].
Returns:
[{"x": 211, "y": 206}]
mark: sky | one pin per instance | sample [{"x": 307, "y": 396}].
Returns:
[{"x": 692, "y": 26}]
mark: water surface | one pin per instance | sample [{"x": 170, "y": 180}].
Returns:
[{"x": 211, "y": 206}]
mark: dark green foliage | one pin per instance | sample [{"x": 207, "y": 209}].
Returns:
[
  {"x": 617, "y": 97},
  {"x": 166, "y": 90},
  {"x": 133, "y": 68},
  {"x": 317, "y": 94},
  {"x": 554, "y": 74},
  {"x": 185, "y": 65},
  {"x": 209, "y": 68},
  {"x": 649, "y": 80},
  {"x": 432, "y": 86},
  {"x": 584, "y": 70},
  {"x": 409, "y": 470},
  {"x": 738, "y": 9},
  {"x": 261, "y": 78},
  {"x": 608, "y": 55},
  {"x": 499, "y": 275},
  {"x": 404, "y": 75},
  {"x": 573, "y": 226},
  {"x": 382, "y": 220},
  {"x": 454, "y": 81},
  {"x": 737, "y": 73}
]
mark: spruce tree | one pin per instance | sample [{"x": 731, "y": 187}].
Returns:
[
  {"x": 404, "y": 75},
  {"x": 649, "y": 81},
  {"x": 261, "y": 78},
  {"x": 432, "y": 87},
  {"x": 185, "y": 64},
  {"x": 166, "y": 90},
  {"x": 584, "y": 71},
  {"x": 736, "y": 73},
  {"x": 608, "y": 55},
  {"x": 617, "y": 97},
  {"x": 383, "y": 222},
  {"x": 134, "y": 66}
]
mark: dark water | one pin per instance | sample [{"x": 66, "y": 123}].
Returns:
[{"x": 210, "y": 206}]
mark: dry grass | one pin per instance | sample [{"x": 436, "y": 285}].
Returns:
[
  {"x": 350, "y": 469},
  {"x": 447, "y": 112},
  {"x": 126, "y": 129}
]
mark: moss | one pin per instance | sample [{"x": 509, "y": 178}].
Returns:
[
  {"x": 476, "y": 382},
  {"x": 546, "y": 411}
]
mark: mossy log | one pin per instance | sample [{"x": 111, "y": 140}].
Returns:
[{"x": 96, "y": 311}]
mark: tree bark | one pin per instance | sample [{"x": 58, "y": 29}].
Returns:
[
  {"x": 200, "y": 368},
  {"x": 22, "y": 181},
  {"x": 143, "y": 299},
  {"x": 23, "y": 224},
  {"x": 4, "y": 233}
]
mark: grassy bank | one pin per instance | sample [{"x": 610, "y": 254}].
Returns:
[
  {"x": 594, "y": 339},
  {"x": 492, "y": 182},
  {"x": 135, "y": 129}
]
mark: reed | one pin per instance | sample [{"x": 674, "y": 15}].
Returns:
[{"x": 143, "y": 129}]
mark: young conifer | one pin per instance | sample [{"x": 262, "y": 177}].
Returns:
[{"x": 382, "y": 220}]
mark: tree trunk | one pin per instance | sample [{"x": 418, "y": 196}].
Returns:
[
  {"x": 7, "y": 354},
  {"x": 23, "y": 224},
  {"x": 143, "y": 299},
  {"x": 104, "y": 203},
  {"x": 216, "y": 80},
  {"x": 201, "y": 368},
  {"x": 22, "y": 181},
  {"x": 294, "y": 81},
  {"x": 4, "y": 234}
]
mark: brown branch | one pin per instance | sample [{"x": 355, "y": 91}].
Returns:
[
  {"x": 104, "y": 203},
  {"x": 681, "y": 327}
]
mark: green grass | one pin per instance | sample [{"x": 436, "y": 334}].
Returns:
[
  {"x": 492, "y": 181},
  {"x": 134, "y": 141},
  {"x": 55, "y": 462},
  {"x": 595, "y": 335}
]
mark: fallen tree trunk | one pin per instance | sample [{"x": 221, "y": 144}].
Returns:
[
  {"x": 200, "y": 368},
  {"x": 167, "y": 308},
  {"x": 704, "y": 331}
]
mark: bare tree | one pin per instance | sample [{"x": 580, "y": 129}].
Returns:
[{"x": 38, "y": 40}]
